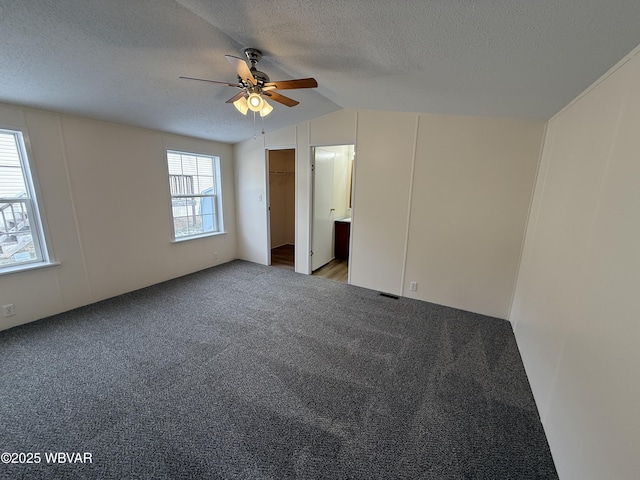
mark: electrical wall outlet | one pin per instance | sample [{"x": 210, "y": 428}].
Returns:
[
  {"x": 413, "y": 286},
  {"x": 8, "y": 310},
  {"x": 215, "y": 255}
]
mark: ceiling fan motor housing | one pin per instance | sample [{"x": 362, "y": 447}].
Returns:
[{"x": 261, "y": 77}]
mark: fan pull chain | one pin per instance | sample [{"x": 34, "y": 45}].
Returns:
[{"x": 255, "y": 135}]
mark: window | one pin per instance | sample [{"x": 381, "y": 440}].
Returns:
[
  {"x": 194, "y": 183},
  {"x": 21, "y": 238}
]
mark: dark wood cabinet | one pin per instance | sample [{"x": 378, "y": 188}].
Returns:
[{"x": 343, "y": 231}]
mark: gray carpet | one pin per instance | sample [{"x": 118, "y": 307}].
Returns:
[{"x": 250, "y": 372}]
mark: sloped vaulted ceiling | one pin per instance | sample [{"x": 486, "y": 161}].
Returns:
[{"x": 120, "y": 60}]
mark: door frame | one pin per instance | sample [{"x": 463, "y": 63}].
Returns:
[
  {"x": 268, "y": 195},
  {"x": 311, "y": 178}
]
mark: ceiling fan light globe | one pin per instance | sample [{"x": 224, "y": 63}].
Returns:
[
  {"x": 266, "y": 109},
  {"x": 241, "y": 105},
  {"x": 255, "y": 102}
]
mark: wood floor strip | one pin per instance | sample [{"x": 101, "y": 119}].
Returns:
[{"x": 336, "y": 269}]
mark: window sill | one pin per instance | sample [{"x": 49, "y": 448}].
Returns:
[
  {"x": 28, "y": 267},
  {"x": 196, "y": 237}
]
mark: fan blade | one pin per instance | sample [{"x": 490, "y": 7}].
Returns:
[
  {"x": 239, "y": 85},
  {"x": 241, "y": 68},
  {"x": 289, "y": 102},
  {"x": 238, "y": 96},
  {"x": 290, "y": 84}
]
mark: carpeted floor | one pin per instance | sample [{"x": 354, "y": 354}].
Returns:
[{"x": 249, "y": 372}]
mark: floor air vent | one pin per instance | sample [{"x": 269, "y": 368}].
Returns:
[{"x": 388, "y": 295}]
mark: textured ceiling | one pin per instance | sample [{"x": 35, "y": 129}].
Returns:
[{"x": 120, "y": 60}]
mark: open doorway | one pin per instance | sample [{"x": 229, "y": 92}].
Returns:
[
  {"x": 282, "y": 202},
  {"x": 332, "y": 172}
]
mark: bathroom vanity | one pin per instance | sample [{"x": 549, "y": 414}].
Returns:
[{"x": 342, "y": 234}]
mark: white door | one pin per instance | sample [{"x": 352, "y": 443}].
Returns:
[{"x": 322, "y": 228}]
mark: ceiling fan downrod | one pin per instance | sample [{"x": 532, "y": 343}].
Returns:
[{"x": 253, "y": 56}]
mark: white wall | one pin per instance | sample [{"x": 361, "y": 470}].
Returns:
[
  {"x": 303, "y": 198},
  {"x": 384, "y": 159},
  {"x": 472, "y": 186},
  {"x": 575, "y": 311},
  {"x": 342, "y": 179},
  {"x": 105, "y": 200},
  {"x": 419, "y": 180},
  {"x": 250, "y": 185},
  {"x": 342, "y": 156}
]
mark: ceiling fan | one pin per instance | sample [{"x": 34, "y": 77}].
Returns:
[{"x": 256, "y": 86}]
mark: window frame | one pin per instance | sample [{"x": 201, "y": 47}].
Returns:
[
  {"x": 216, "y": 196},
  {"x": 31, "y": 205}
]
